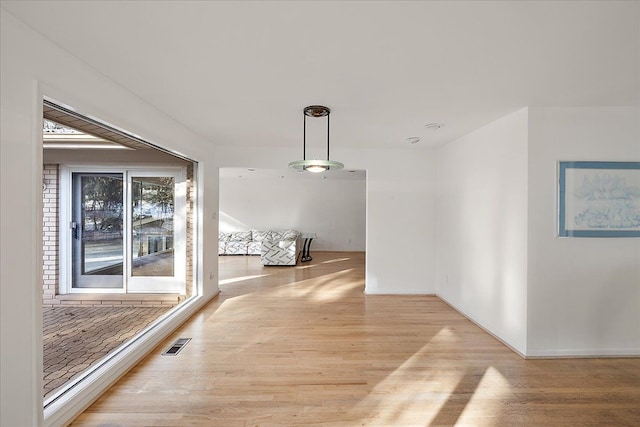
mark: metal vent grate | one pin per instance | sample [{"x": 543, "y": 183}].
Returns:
[{"x": 176, "y": 347}]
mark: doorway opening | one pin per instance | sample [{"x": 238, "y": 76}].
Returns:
[{"x": 259, "y": 208}]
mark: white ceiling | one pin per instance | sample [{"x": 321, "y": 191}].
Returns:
[{"x": 239, "y": 73}]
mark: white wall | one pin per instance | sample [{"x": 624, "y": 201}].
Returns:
[
  {"x": 583, "y": 293},
  {"x": 482, "y": 227},
  {"x": 400, "y": 236},
  {"x": 334, "y": 209},
  {"x": 401, "y": 221},
  {"x": 30, "y": 68}
]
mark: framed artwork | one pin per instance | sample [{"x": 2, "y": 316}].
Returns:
[{"x": 599, "y": 199}]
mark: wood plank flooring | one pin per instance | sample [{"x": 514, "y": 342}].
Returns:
[{"x": 298, "y": 346}]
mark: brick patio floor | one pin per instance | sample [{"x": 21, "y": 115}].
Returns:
[{"x": 77, "y": 337}]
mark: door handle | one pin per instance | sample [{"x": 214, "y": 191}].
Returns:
[{"x": 75, "y": 230}]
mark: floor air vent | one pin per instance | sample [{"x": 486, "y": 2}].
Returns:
[{"x": 176, "y": 347}]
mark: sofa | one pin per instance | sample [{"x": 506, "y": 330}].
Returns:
[{"x": 274, "y": 247}]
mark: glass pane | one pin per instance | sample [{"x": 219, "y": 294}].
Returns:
[
  {"x": 152, "y": 200},
  {"x": 101, "y": 213}
]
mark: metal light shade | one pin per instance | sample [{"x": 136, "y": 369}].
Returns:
[{"x": 315, "y": 166}]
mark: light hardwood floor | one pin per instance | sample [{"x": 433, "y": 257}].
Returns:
[{"x": 303, "y": 346}]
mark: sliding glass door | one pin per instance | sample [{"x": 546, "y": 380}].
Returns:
[
  {"x": 97, "y": 230},
  {"x": 128, "y": 230},
  {"x": 158, "y": 225},
  {"x": 153, "y": 216}
]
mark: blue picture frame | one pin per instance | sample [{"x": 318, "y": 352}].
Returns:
[{"x": 599, "y": 199}]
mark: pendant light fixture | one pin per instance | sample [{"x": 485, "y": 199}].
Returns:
[{"x": 315, "y": 166}]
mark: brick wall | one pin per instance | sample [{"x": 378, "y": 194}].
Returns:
[{"x": 50, "y": 260}]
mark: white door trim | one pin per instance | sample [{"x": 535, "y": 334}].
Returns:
[
  {"x": 65, "y": 218},
  {"x": 177, "y": 282}
]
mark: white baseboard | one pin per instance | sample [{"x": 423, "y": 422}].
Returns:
[
  {"x": 400, "y": 294},
  {"x": 555, "y": 354},
  {"x": 584, "y": 353},
  {"x": 481, "y": 326}
]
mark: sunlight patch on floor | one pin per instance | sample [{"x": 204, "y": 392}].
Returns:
[
  {"x": 493, "y": 387},
  {"x": 335, "y": 260},
  {"x": 329, "y": 287},
  {"x": 415, "y": 399},
  {"x": 240, "y": 279}
]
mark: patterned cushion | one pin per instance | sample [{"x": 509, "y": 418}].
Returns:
[
  {"x": 223, "y": 237},
  {"x": 259, "y": 236},
  {"x": 286, "y": 244},
  {"x": 221, "y": 246},
  {"x": 290, "y": 235},
  {"x": 275, "y": 235},
  {"x": 254, "y": 248},
  {"x": 236, "y": 248},
  {"x": 240, "y": 236},
  {"x": 278, "y": 253}
]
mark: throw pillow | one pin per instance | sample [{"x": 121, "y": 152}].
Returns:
[
  {"x": 275, "y": 235},
  {"x": 259, "y": 236},
  {"x": 290, "y": 235}
]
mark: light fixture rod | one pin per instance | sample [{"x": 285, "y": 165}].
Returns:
[
  {"x": 304, "y": 137},
  {"x": 328, "y": 115}
]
